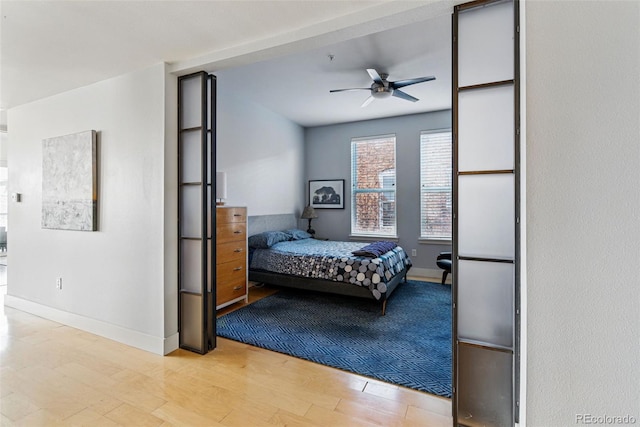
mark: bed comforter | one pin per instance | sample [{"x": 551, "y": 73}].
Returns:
[{"x": 332, "y": 260}]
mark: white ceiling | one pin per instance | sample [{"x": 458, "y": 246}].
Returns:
[{"x": 49, "y": 47}]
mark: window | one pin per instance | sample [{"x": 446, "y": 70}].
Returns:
[
  {"x": 373, "y": 186},
  {"x": 436, "y": 175},
  {"x": 4, "y": 208}
]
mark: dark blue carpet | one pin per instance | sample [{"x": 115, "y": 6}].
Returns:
[{"x": 409, "y": 346}]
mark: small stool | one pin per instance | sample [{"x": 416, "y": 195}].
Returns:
[{"x": 444, "y": 262}]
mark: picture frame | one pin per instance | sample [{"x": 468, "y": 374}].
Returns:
[{"x": 326, "y": 193}]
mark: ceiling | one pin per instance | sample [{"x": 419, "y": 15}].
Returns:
[
  {"x": 275, "y": 53},
  {"x": 297, "y": 86}
]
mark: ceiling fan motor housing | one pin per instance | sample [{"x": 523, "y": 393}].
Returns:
[{"x": 381, "y": 90}]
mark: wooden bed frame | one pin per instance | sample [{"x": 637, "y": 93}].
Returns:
[{"x": 258, "y": 224}]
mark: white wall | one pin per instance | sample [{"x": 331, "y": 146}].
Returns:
[
  {"x": 4, "y": 142},
  {"x": 583, "y": 210},
  {"x": 262, "y": 154},
  {"x": 113, "y": 279}
]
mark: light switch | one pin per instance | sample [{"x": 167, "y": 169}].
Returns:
[{"x": 16, "y": 197}]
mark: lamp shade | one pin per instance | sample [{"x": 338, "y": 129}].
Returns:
[
  {"x": 221, "y": 185},
  {"x": 309, "y": 213}
]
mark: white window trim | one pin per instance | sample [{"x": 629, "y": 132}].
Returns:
[
  {"x": 426, "y": 239},
  {"x": 373, "y": 236}
]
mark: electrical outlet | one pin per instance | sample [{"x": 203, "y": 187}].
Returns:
[
  {"x": 414, "y": 252},
  {"x": 59, "y": 283}
]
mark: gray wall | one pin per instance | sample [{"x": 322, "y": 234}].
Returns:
[
  {"x": 328, "y": 156},
  {"x": 262, "y": 154}
]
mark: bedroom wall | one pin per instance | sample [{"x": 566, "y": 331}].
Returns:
[
  {"x": 328, "y": 156},
  {"x": 583, "y": 204},
  {"x": 113, "y": 279},
  {"x": 262, "y": 154}
]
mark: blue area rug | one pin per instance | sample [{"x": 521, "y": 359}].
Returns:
[{"x": 409, "y": 346}]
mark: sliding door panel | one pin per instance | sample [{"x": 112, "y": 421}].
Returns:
[
  {"x": 486, "y": 210},
  {"x": 191, "y": 220},
  {"x": 485, "y": 131},
  {"x": 485, "y": 44},
  {"x": 487, "y": 378},
  {"x": 191, "y": 272},
  {"x": 486, "y": 216},
  {"x": 190, "y": 158},
  {"x": 196, "y": 152},
  {"x": 491, "y": 282},
  {"x": 191, "y": 107},
  {"x": 191, "y": 320}
]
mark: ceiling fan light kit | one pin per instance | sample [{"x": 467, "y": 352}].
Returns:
[{"x": 382, "y": 88}]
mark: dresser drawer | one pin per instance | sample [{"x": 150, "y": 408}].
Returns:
[
  {"x": 225, "y": 215},
  {"x": 232, "y": 232},
  {"x": 231, "y": 271},
  {"x": 232, "y": 251},
  {"x": 228, "y": 291}
]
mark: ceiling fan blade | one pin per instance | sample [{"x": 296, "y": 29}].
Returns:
[
  {"x": 374, "y": 75},
  {"x": 403, "y": 95},
  {"x": 367, "y": 101},
  {"x": 353, "y": 88},
  {"x": 402, "y": 83}
]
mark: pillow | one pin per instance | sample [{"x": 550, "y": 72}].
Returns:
[
  {"x": 267, "y": 239},
  {"x": 298, "y": 234}
]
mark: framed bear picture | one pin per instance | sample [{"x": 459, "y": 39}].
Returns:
[{"x": 326, "y": 194}]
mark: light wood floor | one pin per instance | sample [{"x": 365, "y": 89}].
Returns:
[{"x": 52, "y": 375}]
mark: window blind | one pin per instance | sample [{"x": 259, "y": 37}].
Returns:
[
  {"x": 435, "y": 185},
  {"x": 373, "y": 185}
]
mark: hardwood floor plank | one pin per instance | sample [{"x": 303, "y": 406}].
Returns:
[
  {"x": 55, "y": 375},
  {"x": 325, "y": 417},
  {"x": 284, "y": 418},
  {"x": 126, "y": 414},
  {"x": 178, "y": 415},
  {"x": 15, "y": 406},
  {"x": 89, "y": 417},
  {"x": 40, "y": 418},
  {"x": 420, "y": 417}
]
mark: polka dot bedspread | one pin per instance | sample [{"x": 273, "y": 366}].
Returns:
[{"x": 332, "y": 260}]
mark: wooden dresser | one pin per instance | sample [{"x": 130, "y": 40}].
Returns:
[{"x": 231, "y": 255}]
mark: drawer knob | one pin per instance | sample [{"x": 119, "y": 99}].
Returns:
[
  {"x": 237, "y": 214},
  {"x": 237, "y": 232},
  {"x": 238, "y": 250},
  {"x": 237, "y": 288},
  {"x": 237, "y": 269}
]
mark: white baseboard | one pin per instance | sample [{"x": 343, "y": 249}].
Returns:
[
  {"x": 428, "y": 273},
  {"x": 171, "y": 343},
  {"x": 126, "y": 336}
]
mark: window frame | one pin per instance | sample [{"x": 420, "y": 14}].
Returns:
[
  {"x": 355, "y": 191},
  {"x": 426, "y": 238}
]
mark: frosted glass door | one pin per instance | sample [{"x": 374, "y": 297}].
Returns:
[
  {"x": 486, "y": 235},
  {"x": 196, "y": 153}
]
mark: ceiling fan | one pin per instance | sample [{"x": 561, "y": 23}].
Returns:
[{"x": 382, "y": 88}]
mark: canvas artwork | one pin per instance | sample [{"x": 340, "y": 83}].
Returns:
[{"x": 69, "y": 182}]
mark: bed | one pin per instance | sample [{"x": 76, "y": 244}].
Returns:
[{"x": 289, "y": 257}]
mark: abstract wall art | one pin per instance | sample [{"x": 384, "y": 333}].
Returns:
[{"x": 69, "y": 182}]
